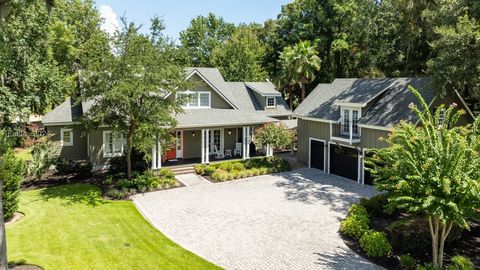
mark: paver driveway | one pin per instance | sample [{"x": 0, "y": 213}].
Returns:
[{"x": 280, "y": 221}]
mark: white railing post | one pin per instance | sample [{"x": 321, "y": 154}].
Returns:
[
  {"x": 207, "y": 149},
  {"x": 203, "y": 146}
]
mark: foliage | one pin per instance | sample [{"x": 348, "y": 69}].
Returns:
[
  {"x": 375, "y": 205},
  {"x": 407, "y": 262},
  {"x": 456, "y": 65},
  {"x": 375, "y": 244},
  {"x": 432, "y": 170},
  {"x": 102, "y": 233},
  {"x": 43, "y": 156},
  {"x": 129, "y": 93},
  {"x": 120, "y": 187},
  {"x": 276, "y": 135},
  {"x": 11, "y": 173},
  {"x": 461, "y": 263},
  {"x": 246, "y": 168},
  {"x": 202, "y": 37},
  {"x": 119, "y": 164},
  {"x": 239, "y": 58},
  {"x": 83, "y": 169},
  {"x": 356, "y": 223},
  {"x": 64, "y": 166}
]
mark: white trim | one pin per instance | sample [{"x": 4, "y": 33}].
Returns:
[
  {"x": 274, "y": 102},
  {"x": 177, "y": 155},
  {"x": 195, "y": 71},
  {"x": 314, "y": 119},
  {"x": 263, "y": 94},
  {"x": 60, "y": 124},
  {"x": 109, "y": 155},
  {"x": 198, "y": 94},
  {"x": 310, "y": 139},
  {"x": 225, "y": 125},
  {"x": 350, "y": 141},
  {"x": 375, "y": 127},
  {"x": 62, "y": 143},
  {"x": 349, "y": 104}
]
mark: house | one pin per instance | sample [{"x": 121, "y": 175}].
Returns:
[
  {"x": 338, "y": 123},
  {"x": 219, "y": 119}
]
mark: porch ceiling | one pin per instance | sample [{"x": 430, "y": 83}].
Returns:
[{"x": 192, "y": 118}]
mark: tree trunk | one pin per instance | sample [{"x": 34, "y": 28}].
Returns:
[
  {"x": 439, "y": 233},
  {"x": 3, "y": 246},
  {"x": 302, "y": 97},
  {"x": 129, "y": 151},
  {"x": 290, "y": 96}
]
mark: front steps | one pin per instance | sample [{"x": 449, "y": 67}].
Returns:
[{"x": 183, "y": 170}]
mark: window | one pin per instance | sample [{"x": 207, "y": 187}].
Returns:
[
  {"x": 113, "y": 144},
  {"x": 195, "y": 99},
  {"x": 66, "y": 135},
  {"x": 347, "y": 116},
  {"x": 215, "y": 140},
  {"x": 270, "y": 102}
]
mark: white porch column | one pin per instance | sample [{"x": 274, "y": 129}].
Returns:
[
  {"x": 249, "y": 139},
  {"x": 269, "y": 150},
  {"x": 351, "y": 126},
  {"x": 207, "y": 148},
  {"x": 154, "y": 157},
  {"x": 159, "y": 154},
  {"x": 203, "y": 146},
  {"x": 244, "y": 149}
]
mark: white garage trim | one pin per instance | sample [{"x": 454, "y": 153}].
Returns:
[
  {"x": 359, "y": 179},
  {"x": 310, "y": 139}
]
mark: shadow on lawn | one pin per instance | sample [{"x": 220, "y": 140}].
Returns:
[
  {"x": 310, "y": 186},
  {"x": 343, "y": 260},
  {"x": 76, "y": 193}
]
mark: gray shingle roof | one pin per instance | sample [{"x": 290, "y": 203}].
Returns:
[
  {"x": 390, "y": 108},
  {"x": 263, "y": 88},
  {"x": 67, "y": 112},
  {"x": 219, "y": 117}
]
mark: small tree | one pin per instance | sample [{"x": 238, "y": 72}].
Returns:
[
  {"x": 11, "y": 172},
  {"x": 43, "y": 156},
  {"x": 274, "y": 135},
  {"x": 432, "y": 170},
  {"x": 130, "y": 96}
]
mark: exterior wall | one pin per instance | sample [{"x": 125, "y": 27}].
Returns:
[
  {"x": 310, "y": 129},
  {"x": 217, "y": 101},
  {"x": 371, "y": 138},
  {"x": 96, "y": 147},
  {"x": 78, "y": 151},
  {"x": 192, "y": 144},
  {"x": 230, "y": 139}
]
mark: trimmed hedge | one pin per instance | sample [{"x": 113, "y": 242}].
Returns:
[
  {"x": 12, "y": 171},
  {"x": 230, "y": 170},
  {"x": 356, "y": 223},
  {"x": 375, "y": 244}
]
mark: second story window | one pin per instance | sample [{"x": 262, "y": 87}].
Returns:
[
  {"x": 196, "y": 99},
  {"x": 270, "y": 102},
  {"x": 347, "y": 116}
]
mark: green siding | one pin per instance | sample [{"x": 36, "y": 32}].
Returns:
[
  {"x": 192, "y": 144},
  {"x": 310, "y": 129},
  {"x": 371, "y": 138},
  {"x": 78, "y": 151}
]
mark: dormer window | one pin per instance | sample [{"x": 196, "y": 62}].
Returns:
[
  {"x": 347, "y": 116},
  {"x": 197, "y": 99},
  {"x": 270, "y": 102}
]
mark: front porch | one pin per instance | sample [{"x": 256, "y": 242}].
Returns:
[{"x": 209, "y": 145}]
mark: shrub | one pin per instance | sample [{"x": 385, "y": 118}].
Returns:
[
  {"x": 124, "y": 183},
  {"x": 167, "y": 173},
  {"x": 407, "y": 262},
  {"x": 108, "y": 181},
  {"x": 227, "y": 166},
  {"x": 118, "y": 164},
  {"x": 43, "y": 156},
  {"x": 356, "y": 223},
  {"x": 238, "y": 166},
  {"x": 375, "y": 244},
  {"x": 200, "y": 169},
  {"x": 12, "y": 173},
  {"x": 209, "y": 170},
  {"x": 84, "y": 169},
  {"x": 145, "y": 181},
  {"x": 375, "y": 205},
  {"x": 461, "y": 263},
  {"x": 119, "y": 194},
  {"x": 64, "y": 166}
]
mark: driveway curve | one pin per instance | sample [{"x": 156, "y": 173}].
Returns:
[{"x": 279, "y": 221}]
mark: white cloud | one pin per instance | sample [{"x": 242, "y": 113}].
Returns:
[{"x": 110, "y": 23}]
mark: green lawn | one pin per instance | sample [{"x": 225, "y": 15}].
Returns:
[{"x": 72, "y": 227}]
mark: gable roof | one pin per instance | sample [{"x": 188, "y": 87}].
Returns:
[
  {"x": 67, "y": 112},
  {"x": 388, "y": 100},
  {"x": 265, "y": 89}
]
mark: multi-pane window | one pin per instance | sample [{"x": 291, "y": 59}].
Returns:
[
  {"x": 66, "y": 137},
  {"x": 194, "y": 99},
  {"x": 350, "y": 115},
  {"x": 346, "y": 121},
  {"x": 215, "y": 140},
  {"x": 114, "y": 144},
  {"x": 270, "y": 102}
]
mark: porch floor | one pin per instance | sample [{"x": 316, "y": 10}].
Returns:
[{"x": 192, "y": 161}]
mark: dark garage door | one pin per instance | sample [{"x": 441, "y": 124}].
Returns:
[
  {"x": 344, "y": 161},
  {"x": 317, "y": 154},
  {"x": 368, "y": 177}
]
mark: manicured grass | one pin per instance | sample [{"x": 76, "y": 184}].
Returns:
[{"x": 72, "y": 227}]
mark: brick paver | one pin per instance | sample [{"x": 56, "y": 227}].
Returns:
[
  {"x": 191, "y": 179},
  {"x": 280, "y": 221}
]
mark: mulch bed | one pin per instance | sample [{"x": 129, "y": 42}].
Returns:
[
  {"x": 16, "y": 217},
  {"x": 25, "y": 267},
  {"x": 468, "y": 245}
]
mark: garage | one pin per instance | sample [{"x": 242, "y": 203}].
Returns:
[
  {"x": 344, "y": 161},
  {"x": 317, "y": 154},
  {"x": 367, "y": 175}
]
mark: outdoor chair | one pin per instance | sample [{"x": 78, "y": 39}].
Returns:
[
  {"x": 218, "y": 153},
  {"x": 238, "y": 149}
]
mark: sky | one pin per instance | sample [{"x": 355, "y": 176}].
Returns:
[{"x": 177, "y": 14}]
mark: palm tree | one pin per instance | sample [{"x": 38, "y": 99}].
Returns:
[{"x": 300, "y": 63}]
